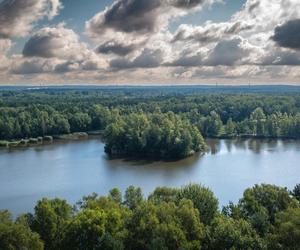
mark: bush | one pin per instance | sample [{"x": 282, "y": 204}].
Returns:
[
  {"x": 48, "y": 138},
  {"x": 33, "y": 141}
]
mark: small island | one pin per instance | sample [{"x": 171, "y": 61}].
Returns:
[{"x": 155, "y": 135}]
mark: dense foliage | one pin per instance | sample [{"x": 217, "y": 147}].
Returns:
[
  {"x": 140, "y": 122},
  {"x": 156, "y": 135},
  {"x": 266, "y": 217}
]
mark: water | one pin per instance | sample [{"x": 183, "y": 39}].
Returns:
[{"x": 71, "y": 170}]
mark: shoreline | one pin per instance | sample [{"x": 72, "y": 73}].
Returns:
[{"x": 46, "y": 140}]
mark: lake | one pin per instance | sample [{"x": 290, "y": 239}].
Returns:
[{"x": 70, "y": 170}]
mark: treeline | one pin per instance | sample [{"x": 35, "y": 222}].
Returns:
[
  {"x": 155, "y": 135},
  {"x": 266, "y": 217},
  {"x": 40, "y": 120},
  {"x": 32, "y": 114},
  {"x": 258, "y": 124}
]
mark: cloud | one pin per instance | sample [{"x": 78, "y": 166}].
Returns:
[
  {"x": 112, "y": 47},
  {"x": 227, "y": 52},
  {"x": 254, "y": 24},
  {"x": 134, "y": 43},
  {"x": 138, "y": 16},
  {"x": 147, "y": 59},
  {"x": 56, "y": 50},
  {"x": 186, "y": 60},
  {"x": 32, "y": 66},
  {"x": 5, "y": 45},
  {"x": 39, "y": 65},
  {"x": 287, "y": 35},
  {"x": 127, "y": 16},
  {"x": 210, "y": 32},
  {"x": 17, "y": 17},
  {"x": 67, "y": 67},
  {"x": 187, "y": 4},
  {"x": 58, "y": 42},
  {"x": 281, "y": 57}
]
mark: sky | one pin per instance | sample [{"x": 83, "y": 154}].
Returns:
[{"x": 155, "y": 42}]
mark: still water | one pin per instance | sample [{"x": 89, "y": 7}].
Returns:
[{"x": 73, "y": 169}]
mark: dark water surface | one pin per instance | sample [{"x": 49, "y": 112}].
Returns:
[{"x": 71, "y": 170}]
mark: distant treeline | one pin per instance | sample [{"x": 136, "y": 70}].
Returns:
[
  {"x": 266, "y": 217},
  {"x": 146, "y": 122}
]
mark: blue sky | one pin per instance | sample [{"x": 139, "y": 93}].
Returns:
[{"x": 142, "y": 42}]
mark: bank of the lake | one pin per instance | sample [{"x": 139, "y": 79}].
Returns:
[{"x": 71, "y": 169}]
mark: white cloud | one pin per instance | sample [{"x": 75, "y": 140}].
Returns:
[
  {"x": 58, "y": 42},
  {"x": 56, "y": 50},
  {"x": 5, "y": 45},
  {"x": 135, "y": 45},
  {"x": 17, "y": 17}
]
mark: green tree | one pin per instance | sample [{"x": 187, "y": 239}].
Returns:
[
  {"x": 214, "y": 124},
  {"x": 260, "y": 204},
  {"x": 85, "y": 230},
  {"x": 286, "y": 231},
  {"x": 49, "y": 220},
  {"x": 230, "y": 127},
  {"x": 258, "y": 121},
  {"x": 227, "y": 233},
  {"x": 296, "y": 192},
  {"x": 80, "y": 122},
  {"x": 116, "y": 195},
  {"x": 100, "y": 116},
  {"x": 203, "y": 199},
  {"x": 133, "y": 197},
  {"x": 163, "y": 194},
  {"x": 60, "y": 124},
  {"x": 15, "y": 236},
  {"x": 165, "y": 226}
]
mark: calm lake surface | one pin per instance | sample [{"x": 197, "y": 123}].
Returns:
[{"x": 73, "y": 169}]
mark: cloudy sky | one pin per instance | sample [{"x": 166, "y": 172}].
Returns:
[{"x": 149, "y": 41}]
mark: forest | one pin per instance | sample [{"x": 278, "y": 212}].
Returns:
[
  {"x": 266, "y": 217},
  {"x": 142, "y": 123}
]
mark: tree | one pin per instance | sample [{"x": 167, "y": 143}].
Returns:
[
  {"x": 80, "y": 122},
  {"x": 260, "y": 204},
  {"x": 60, "y": 125},
  {"x": 287, "y": 230},
  {"x": 100, "y": 116},
  {"x": 214, "y": 124},
  {"x": 152, "y": 135},
  {"x": 163, "y": 194},
  {"x": 273, "y": 125},
  {"x": 230, "y": 127},
  {"x": 227, "y": 233},
  {"x": 258, "y": 120},
  {"x": 133, "y": 197},
  {"x": 85, "y": 230},
  {"x": 296, "y": 192},
  {"x": 203, "y": 199},
  {"x": 15, "y": 236},
  {"x": 49, "y": 220},
  {"x": 116, "y": 195},
  {"x": 165, "y": 226}
]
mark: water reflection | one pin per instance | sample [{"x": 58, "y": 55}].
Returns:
[{"x": 71, "y": 170}]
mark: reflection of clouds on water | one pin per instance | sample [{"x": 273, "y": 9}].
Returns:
[{"x": 71, "y": 170}]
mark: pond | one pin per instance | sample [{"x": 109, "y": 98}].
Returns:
[{"x": 70, "y": 170}]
